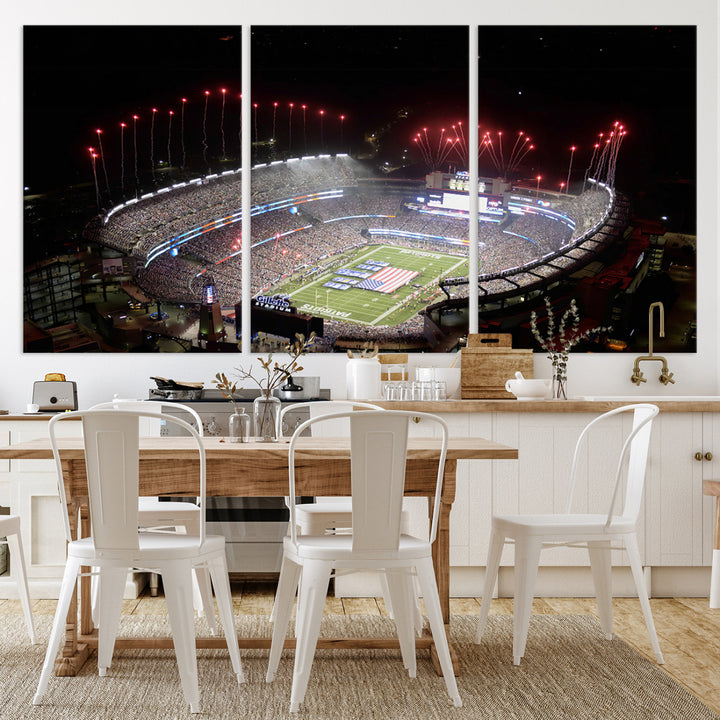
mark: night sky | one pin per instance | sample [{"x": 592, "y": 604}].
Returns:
[{"x": 560, "y": 85}]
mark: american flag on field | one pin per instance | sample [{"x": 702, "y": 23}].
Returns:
[{"x": 388, "y": 280}]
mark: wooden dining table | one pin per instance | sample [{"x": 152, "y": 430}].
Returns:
[{"x": 169, "y": 467}]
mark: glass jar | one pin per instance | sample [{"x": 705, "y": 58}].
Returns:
[
  {"x": 239, "y": 427},
  {"x": 266, "y": 414}
]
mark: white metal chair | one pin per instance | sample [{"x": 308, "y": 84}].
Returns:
[
  {"x": 181, "y": 516},
  {"x": 10, "y": 530},
  {"x": 378, "y": 441},
  {"x": 115, "y": 545},
  {"x": 594, "y": 531},
  {"x": 335, "y": 515}
]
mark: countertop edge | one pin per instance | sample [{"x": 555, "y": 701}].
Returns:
[
  {"x": 540, "y": 406},
  {"x": 491, "y": 406}
]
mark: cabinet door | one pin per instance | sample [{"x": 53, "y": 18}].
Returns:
[
  {"x": 674, "y": 509},
  {"x": 539, "y": 482},
  {"x": 35, "y": 498},
  {"x": 710, "y": 471},
  {"x": 470, "y": 509}
]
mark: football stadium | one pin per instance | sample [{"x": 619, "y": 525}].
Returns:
[{"x": 355, "y": 256}]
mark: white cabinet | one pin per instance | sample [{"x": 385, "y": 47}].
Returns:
[
  {"x": 685, "y": 451},
  {"x": 32, "y": 493}
]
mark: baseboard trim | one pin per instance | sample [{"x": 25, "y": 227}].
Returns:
[{"x": 552, "y": 582}]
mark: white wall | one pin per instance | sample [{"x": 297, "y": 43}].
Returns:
[{"x": 99, "y": 376}]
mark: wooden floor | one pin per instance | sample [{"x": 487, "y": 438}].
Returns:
[{"x": 688, "y": 630}]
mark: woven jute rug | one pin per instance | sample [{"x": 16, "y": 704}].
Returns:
[{"x": 569, "y": 671}]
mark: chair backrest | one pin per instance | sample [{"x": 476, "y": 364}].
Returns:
[
  {"x": 156, "y": 407},
  {"x": 378, "y": 450},
  {"x": 111, "y": 441},
  {"x": 340, "y": 428},
  {"x": 634, "y": 453}
]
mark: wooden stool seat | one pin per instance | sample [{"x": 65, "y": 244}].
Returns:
[{"x": 712, "y": 488}]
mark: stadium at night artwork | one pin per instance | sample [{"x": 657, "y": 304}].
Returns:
[{"x": 360, "y": 210}]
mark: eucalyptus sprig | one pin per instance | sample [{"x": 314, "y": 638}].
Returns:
[
  {"x": 558, "y": 345},
  {"x": 277, "y": 372},
  {"x": 227, "y": 388}
]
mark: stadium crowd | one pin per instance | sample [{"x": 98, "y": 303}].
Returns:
[{"x": 301, "y": 240}]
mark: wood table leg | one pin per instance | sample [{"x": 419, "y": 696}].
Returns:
[
  {"x": 441, "y": 547},
  {"x": 73, "y": 654},
  {"x": 441, "y": 559}
]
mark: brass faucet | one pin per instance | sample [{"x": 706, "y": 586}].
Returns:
[{"x": 666, "y": 376}]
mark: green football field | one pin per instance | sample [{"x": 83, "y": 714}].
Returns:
[{"x": 370, "y": 307}]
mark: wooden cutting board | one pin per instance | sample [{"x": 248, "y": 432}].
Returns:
[{"x": 488, "y": 362}]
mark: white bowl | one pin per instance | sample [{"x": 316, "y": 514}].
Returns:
[{"x": 527, "y": 389}]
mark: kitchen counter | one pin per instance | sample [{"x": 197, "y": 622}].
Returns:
[
  {"x": 595, "y": 405},
  {"x": 589, "y": 404}
]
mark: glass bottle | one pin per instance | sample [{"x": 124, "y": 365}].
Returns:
[
  {"x": 239, "y": 427},
  {"x": 266, "y": 413}
]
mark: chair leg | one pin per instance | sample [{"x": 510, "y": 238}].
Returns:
[
  {"x": 284, "y": 598},
  {"x": 400, "y": 589},
  {"x": 95, "y": 594},
  {"x": 58, "y": 629},
  {"x": 715, "y": 578},
  {"x": 634, "y": 555},
  {"x": 419, "y": 622},
  {"x": 428, "y": 585},
  {"x": 111, "y": 585},
  {"x": 527, "y": 557},
  {"x": 203, "y": 587},
  {"x": 283, "y": 588},
  {"x": 601, "y": 565},
  {"x": 385, "y": 592},
  {"x": 177, "y": 581},
  {"x": 217, "y": 568},
  {"x": 311, "y": 603},
  {"x": 497, "y": 542},
  {"x": 17, "y": 560}
]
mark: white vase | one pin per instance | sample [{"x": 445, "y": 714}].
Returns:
[{"x": 363, "y": 379}]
